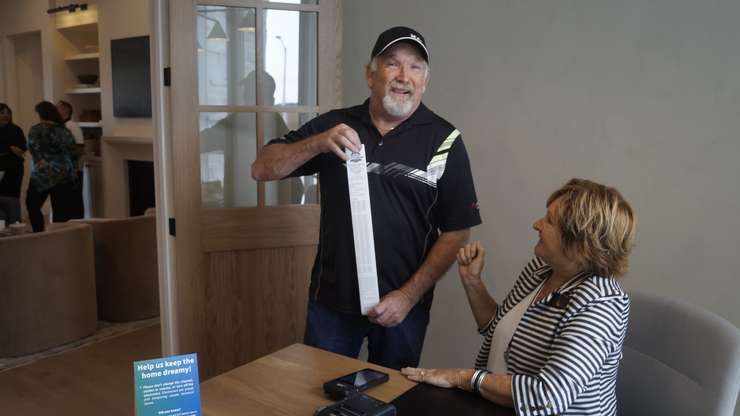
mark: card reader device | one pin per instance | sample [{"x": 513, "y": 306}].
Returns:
[{"x": 357, "y": 404}]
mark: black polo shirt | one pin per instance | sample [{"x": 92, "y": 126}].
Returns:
[{"x": 409, "y": 205}]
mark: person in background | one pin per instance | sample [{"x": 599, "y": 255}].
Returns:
[
  {"x": 12, "y": 155},
  {"x": 422, "y": 197},
  {"x": 66, "y": 110},
  {"x": 553, "y": 346},
  {"x": 54, "y": 168}
]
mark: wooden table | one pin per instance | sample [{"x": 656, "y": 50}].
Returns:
[{"x": 288, "y": 382}]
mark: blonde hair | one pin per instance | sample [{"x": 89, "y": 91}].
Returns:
[{"x": 597, "y": 226}]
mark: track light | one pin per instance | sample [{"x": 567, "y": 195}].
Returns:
[{"x": 71, "y": 8}]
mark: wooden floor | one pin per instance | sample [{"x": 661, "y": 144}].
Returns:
[{"x": 94, "y": 380}]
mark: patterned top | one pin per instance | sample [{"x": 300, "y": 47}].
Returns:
[
  {"x": 54, "y": 154},
  {"x": 565, "y": 353}
]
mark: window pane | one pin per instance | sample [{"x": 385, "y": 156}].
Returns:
[
  {"x": 290, "y": 39},
  {"x": 295, "y": 1},
  {"x": 303, "y": 190},
  {"x": 228, "y": 146},
  {"x": 226, "y": 55}
]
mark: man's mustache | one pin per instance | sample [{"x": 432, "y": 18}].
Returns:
[{"x": 401, "y": 86}]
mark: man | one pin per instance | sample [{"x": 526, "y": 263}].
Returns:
[
  {"x": 76, "y": 204},
  {"x": 422, "y": 199},
  {"x": 66, "y": 110}
]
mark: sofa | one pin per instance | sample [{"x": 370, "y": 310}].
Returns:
[
  {"x": 47, "y": 289},
  {"x": 125, "y": 267}
]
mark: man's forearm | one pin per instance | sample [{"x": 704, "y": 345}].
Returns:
[
  {"x": 276, "y": 161},
  {"x": 436, "y": 264}
]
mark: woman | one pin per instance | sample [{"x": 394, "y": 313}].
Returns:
[
  {"x": 54, "y": 168},
  {"x": 553, "y": 346},
  {"x": 12, "y": 154}
]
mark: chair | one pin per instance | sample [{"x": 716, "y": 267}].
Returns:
[
  {"x": 678, "y": 360},
  {"x": 47, "y": 289},
  {"x": 126, "y": 267}
]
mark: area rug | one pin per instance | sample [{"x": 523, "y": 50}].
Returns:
[{"x": 106, "y": 330}]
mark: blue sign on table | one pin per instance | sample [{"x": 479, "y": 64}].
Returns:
[{"x": 167, "y": 386}]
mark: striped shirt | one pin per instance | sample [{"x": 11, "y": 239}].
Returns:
[{"x": 566, "y": 350}]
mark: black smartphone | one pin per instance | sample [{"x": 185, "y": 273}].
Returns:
[{"x": 358, "y": 381}]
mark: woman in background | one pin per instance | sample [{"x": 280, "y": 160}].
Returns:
[
  {"x": 553, "y": 346},
  {"x": 54, "y": 168},
  {"x": 12, "y": 156}
]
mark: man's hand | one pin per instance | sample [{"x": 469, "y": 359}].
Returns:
[
  {"x": 470, "y": 262},
  {"x": 336, "y": 139},
  {"x": 440, "y": 377},
  {"x": 18, "y": 152},
  {"x": 279, "y": 160},
  {"x": 391, "y": 310}
]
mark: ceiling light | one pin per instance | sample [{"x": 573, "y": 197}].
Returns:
[
  {"x": 247, "y": 22},
  {"x": 217, "y": 33}
]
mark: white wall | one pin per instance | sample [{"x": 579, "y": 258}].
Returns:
[
  {"x": 22, "y": 17},
  {"x": 643, "y": 95},
  {"x": 116, "y": 20}
]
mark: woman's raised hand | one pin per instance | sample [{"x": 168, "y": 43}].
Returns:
[{"x": 470, "y": 261}]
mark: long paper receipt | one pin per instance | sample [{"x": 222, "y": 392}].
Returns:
[{"x": 362, "y": 230}]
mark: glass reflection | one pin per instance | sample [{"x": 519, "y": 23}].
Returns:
[
  {"x": 295, "y": 1},
  {"x": 226, "y": 55},
  {"x": 290, "y": 39},
  {"x": 228, "y": 143},
  {"x": 302, "y": 190}
]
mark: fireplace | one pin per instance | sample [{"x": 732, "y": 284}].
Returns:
[
  {"x": 121, "y": 197},
  {"x": 140, "y": 186}
]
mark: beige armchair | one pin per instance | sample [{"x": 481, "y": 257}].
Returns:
[
  {"x": 126, "y": 267},
  {"x": 47, "y": 289}
]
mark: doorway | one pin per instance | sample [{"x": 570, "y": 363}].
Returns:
[
  {"x": 25, "y": 88},
  {"x": 26, "y": 80}
]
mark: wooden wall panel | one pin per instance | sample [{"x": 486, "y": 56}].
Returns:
[
  {"x": 256, "y": 303},
  {"x": 234, "y": 229}
]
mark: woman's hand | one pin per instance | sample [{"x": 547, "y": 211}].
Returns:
[
  {"x": 470, "y": 261},
  {"x": 440, "y": 377}
]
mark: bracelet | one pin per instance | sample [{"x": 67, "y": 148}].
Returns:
[
  {"x": 478, "y": 380},
  {"x": 472, "y": 379}
]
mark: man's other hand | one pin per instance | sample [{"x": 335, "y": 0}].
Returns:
[{"x": 391, "y": 310}]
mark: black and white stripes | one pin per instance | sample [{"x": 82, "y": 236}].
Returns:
[{"x": 564, "y": 355}]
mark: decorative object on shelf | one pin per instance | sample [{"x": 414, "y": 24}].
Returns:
[
  {"x": 131, "y": 77},
  {"x": 87, "y": 79}
]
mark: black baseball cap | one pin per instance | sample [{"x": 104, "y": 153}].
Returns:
[{"x": 400, "y": 34}]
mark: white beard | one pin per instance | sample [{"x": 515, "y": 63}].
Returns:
[{"x": 397, "y": 108}]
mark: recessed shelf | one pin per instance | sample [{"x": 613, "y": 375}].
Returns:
[
  {"x": 81, "y": 19},
  {"x": 90, "y": 124},
  {"x": 95, "y": 90},
  {"x": 83, "y": 56}
]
